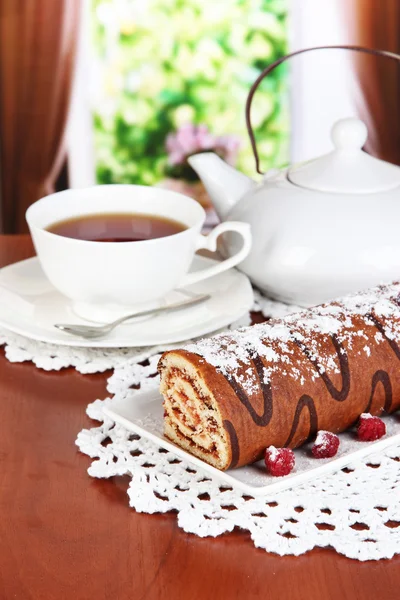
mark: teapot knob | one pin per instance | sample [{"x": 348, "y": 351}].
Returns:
[{"x": 349, "y": 134}]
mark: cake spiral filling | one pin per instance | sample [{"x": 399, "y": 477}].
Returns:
[{"x": 192, "y": 419}]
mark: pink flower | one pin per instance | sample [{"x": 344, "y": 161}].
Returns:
[
  {"x": 190, "y": 139},
  {"x": 205, "y": 139},
  {"x": 228, "y": 146},
  {"x": 170, "y": 143},
  {"x": 186, "y": 138}
]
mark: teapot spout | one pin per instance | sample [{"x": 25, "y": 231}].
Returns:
[{"x": 223, "y": 183}]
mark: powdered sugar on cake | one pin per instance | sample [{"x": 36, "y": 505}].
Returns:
[{"x": 273, "y": 340}]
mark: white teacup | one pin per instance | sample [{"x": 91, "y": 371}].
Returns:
[{"x": 107, "y": 280}]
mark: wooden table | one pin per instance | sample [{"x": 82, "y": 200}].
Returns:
[{"x": 64, "y": 535}]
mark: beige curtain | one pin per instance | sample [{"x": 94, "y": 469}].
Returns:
[
  {"x": 376, "y": 24},
  {"x": 38, "y": 41}
]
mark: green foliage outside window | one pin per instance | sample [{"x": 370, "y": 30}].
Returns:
[{"x": 163, "y": 63}]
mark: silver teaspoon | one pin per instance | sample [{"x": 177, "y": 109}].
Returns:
[{"x": 97, "y": 331}]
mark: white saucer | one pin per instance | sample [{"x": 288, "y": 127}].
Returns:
[{"x": 30, "y": 305}]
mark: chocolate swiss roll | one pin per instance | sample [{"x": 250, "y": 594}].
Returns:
[{"x": 229, "y": 397}]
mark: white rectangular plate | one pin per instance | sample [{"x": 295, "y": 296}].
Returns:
[{"x": 142, "y": 413}]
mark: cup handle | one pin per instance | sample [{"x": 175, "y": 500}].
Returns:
[{"x": 209, "y": 242}]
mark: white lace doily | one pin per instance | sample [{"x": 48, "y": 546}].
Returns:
[
  {"x": 356, "y": 511},
  {"x": 272, "y": 308},
  {"x": 51, "y": 357}
]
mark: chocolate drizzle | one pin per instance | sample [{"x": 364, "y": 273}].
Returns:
[
  {"x": 234, "y": 443},
  {"x": 304, "y": 402},
  {"x": 381, "y": 330},
  {"x": 339, "y": 395},
  {"x": 383, "y": 378},
  {"x": 260, "y": 420}
]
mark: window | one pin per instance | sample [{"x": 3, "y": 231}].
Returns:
[{"x": 156, "y": 65}]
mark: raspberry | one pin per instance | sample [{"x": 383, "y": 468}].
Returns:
[
  {"x": 279, "y": 461},
  {"x": 326, "y": 445},
  {"x": 370, "y": 428}
]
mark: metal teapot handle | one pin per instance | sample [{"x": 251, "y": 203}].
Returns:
[{"x": 272, "y": 66}]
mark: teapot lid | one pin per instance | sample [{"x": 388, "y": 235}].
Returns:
[{"x": 347, "y": 169}]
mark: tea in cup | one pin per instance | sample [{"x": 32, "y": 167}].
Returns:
[{"x": 115, "y": 249}]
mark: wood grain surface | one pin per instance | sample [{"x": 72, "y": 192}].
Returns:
[{"x": 66, "y": 536}]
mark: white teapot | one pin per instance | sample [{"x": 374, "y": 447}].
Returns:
[{"x": 320, "y": 229}]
